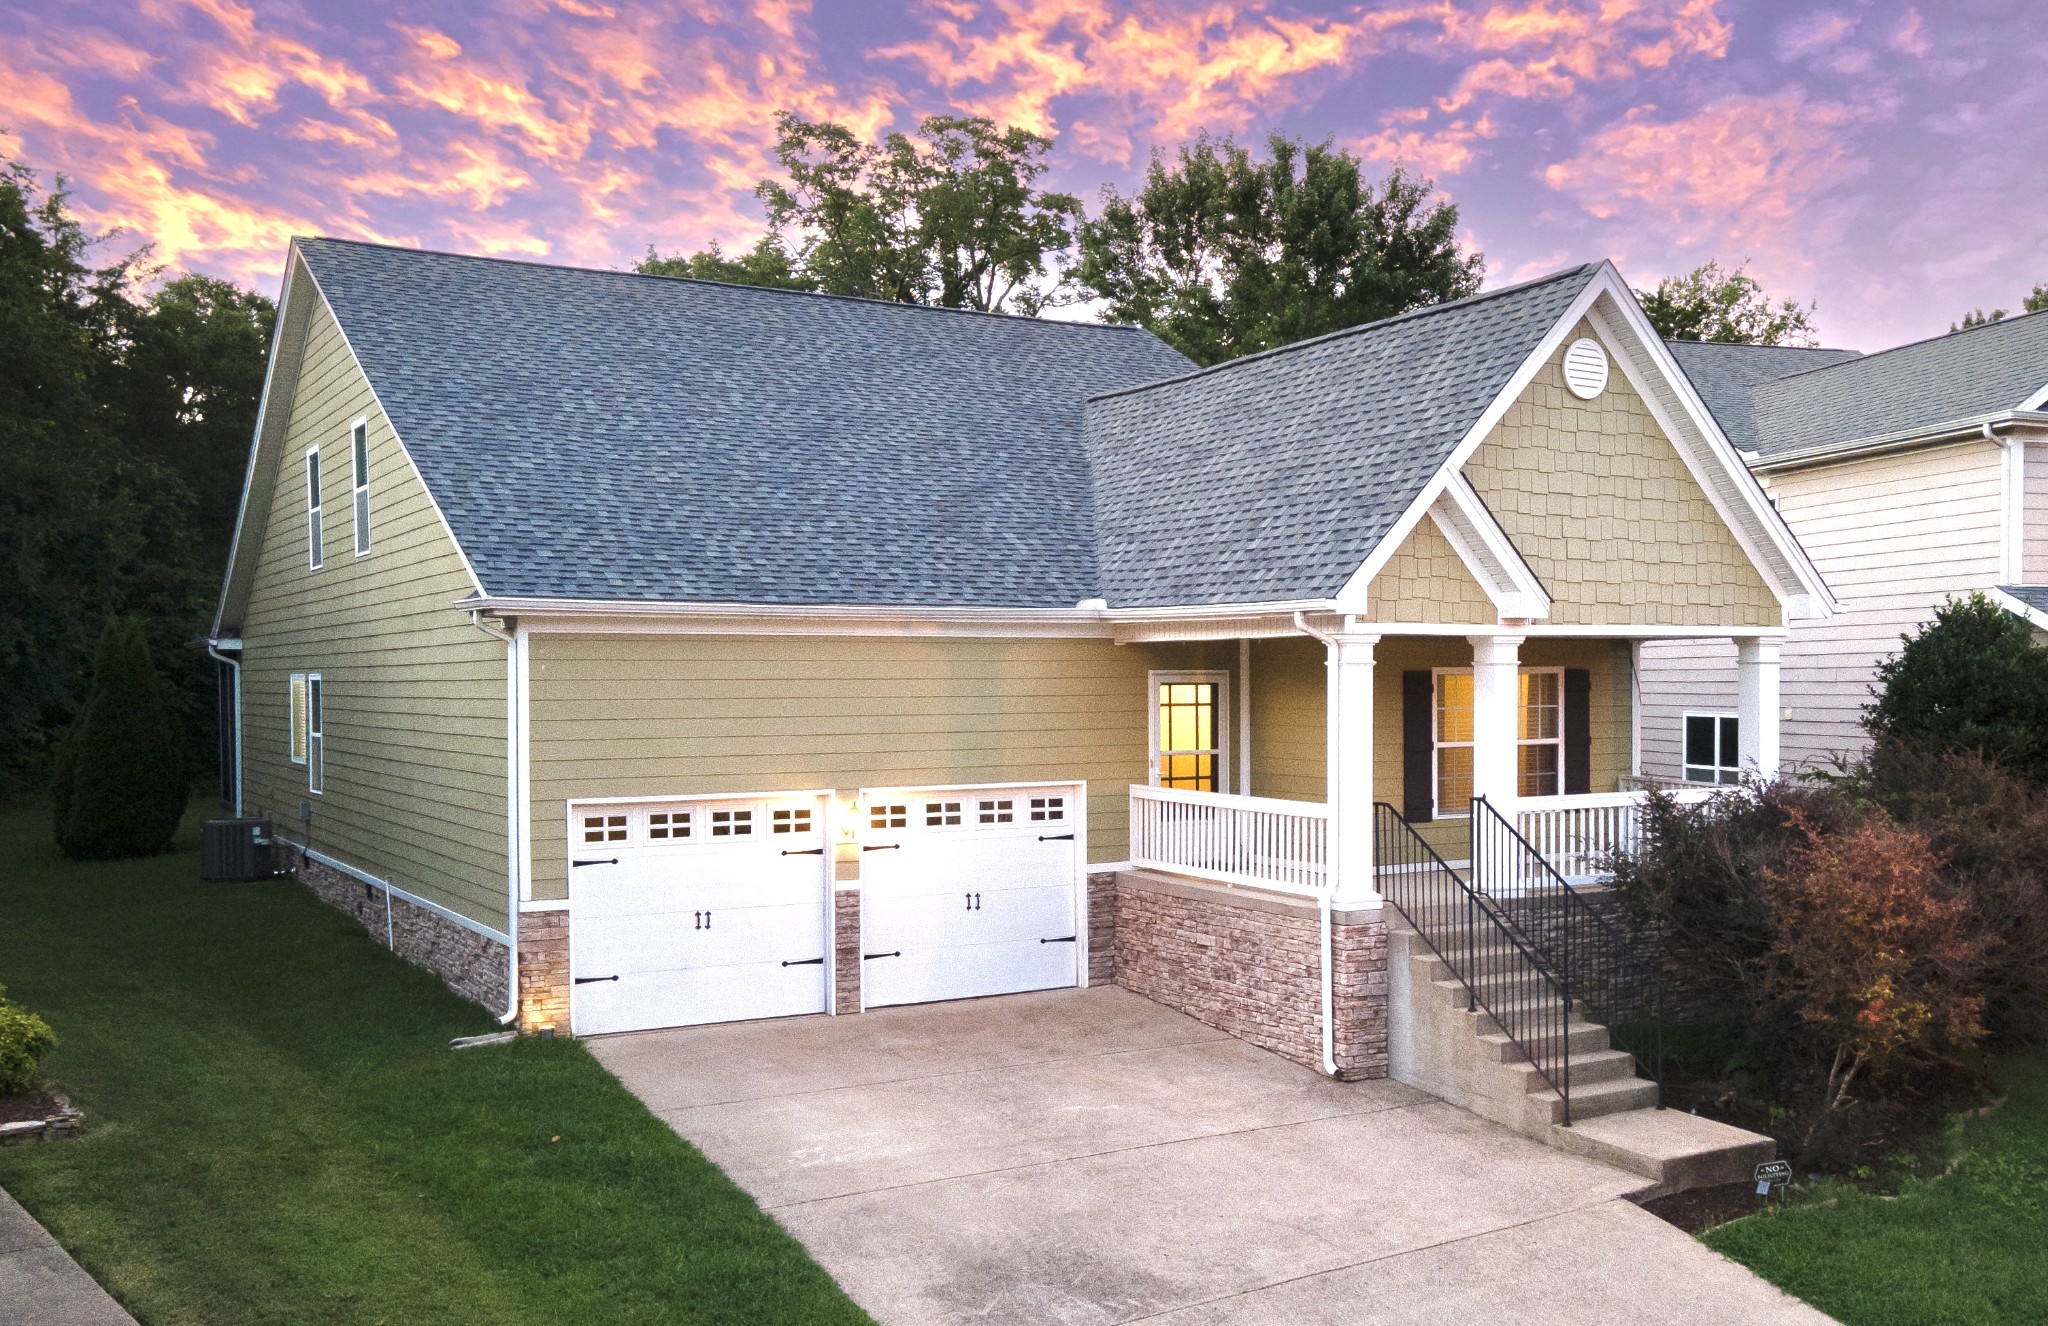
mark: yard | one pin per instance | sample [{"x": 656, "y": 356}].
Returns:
[
  {"x": 1963, "y": 1246},
  {"x": 277, "y": 1131}
]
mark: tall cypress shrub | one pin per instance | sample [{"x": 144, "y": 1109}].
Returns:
[{"x": 121, "y": 783}]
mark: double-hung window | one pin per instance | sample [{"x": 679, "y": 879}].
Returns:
[
  {"x": 1539, "y": 736},
  {"x": 298, "y": 718},
  {"x": 1713, "y": 750},
  {"x": 1187, "y": 742},
  {"x": 315, "y": 548},
  {"x": 359, "y": 456},
  {"x": 308, "y": 743}
]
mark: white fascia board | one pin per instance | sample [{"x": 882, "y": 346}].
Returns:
[
  {"x": 1605, "y": 631},
  {"x": 287, "y": 306},
  {"x": 432, "y": 501},
  {"x": 554, "y": 616},
  {"x": 2037, "y": 401},
  {"x": 1800, "y": 586},
  {"x": 2019, "y": 608},
  {"x": 1352, "y": 598},
  {"x": 1488, "y": 553}
]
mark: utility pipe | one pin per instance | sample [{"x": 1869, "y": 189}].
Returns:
[
  {"x": 1329, "y": 872},
  {"x": 512, "y": 811},
  {"x": 236, "y": 664}
]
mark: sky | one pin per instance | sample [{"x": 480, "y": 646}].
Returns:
[{"x": 1880, "y": 159}]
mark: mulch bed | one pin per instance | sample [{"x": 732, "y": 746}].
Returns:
[
  {"x": 37, "y": 1103},
  {"x": 1703, "y": 1208}
]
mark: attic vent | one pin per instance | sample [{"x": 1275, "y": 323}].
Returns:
[{"x": 1585, "y": 368}]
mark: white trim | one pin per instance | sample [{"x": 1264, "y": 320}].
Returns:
[
  {"x": 1219, "y": 720},
  {"x": 523, "y": 730},
  {"x": 1629, "y": 631},
  {"x": 1635, "y": 709},
  {"x": 315, "y": 475},
  {"x": 271, "y": 370},
  {"x": 359, "y": 485},
  {"x": 861, "y": 794},
  {"x": 698, "y": 797},
  {"x": 316, "y": 735},
  {"x": 2019, "y": 607},
  {"x": 2037, "y": 401},
  {"x": 544, "y": 905},
  {"x": 1488, "y": 553},
  {"x": 1968, "y": 429},
  {"x": 393, "y": 891},
  {"x": 2012, "y": 531},
  {"x": 1719, "y": 715}
]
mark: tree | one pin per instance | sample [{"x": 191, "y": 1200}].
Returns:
[
  {"x": 1222, "y": 254},
  {"x": 951, "y": 218},
  {"x": 1711, "y": 303},
  {"x": 120, "y": 784},
  {"x": 2033, "y": 301},
  {"x": 767, "y": 263},
  {"x": 1971, "y": 679}
]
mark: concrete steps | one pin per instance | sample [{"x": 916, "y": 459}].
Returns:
[{"x": 1440, "y": 1044}]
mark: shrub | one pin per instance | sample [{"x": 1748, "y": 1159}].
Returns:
[
  {"x": 1972, "y": 679},
  {"x": 24, "y": 1040},
  {"x": 120, "y": 786}
]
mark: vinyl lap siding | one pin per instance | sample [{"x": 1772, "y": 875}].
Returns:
[
  {"x": 414, "y": 695},
  {"x": 2034, "y": 543}
]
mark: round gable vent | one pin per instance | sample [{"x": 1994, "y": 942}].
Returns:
[{"x": 1585, "y": 368}]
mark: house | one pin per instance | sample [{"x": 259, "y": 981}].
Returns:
[
  {"x": 637, "y": 652},
  {"x": 1911, "y": 476}
]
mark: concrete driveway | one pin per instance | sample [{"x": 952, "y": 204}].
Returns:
[{"x": 1086, "y": 1156}]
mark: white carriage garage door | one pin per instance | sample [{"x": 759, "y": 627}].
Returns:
[
  {"x": 969, "y": 891},
  {"x": 696, "y": 911}
]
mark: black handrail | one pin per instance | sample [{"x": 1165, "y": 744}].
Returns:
[
  {"x": 1591, "y": 959},
  {"x": 1465, "y": 929}
]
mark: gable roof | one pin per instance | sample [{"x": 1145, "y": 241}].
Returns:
[
  {"x": 1963, "y": 376},
  {"x": 1725, "y": 376},
  {"x": 611, "y": 436},
  {"x": 1272, "y": 478}
]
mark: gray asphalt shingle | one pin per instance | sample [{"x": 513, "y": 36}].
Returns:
[
  {"x": 2034, "y": 596},
  {"x": 1725, "y": 376}
]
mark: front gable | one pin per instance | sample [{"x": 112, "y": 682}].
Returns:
[{"x": 1426, "y": 581}]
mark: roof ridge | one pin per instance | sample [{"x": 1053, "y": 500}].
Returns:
[
  {"x": 1357, "y": 329},
  {"x": 702, "y": 281},
  {"x": 1936, "y": 339}
]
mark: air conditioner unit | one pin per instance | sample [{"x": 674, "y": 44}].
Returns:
[{"x": 235, "y": 851}]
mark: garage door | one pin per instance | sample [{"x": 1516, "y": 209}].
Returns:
[
  {"x": 968, "y": 891},
  {"x": 696, "y": 911}
]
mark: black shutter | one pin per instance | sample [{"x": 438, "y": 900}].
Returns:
[
  {"x": 1578, "y": 730},
  {"x": 1418, "y": 747}
]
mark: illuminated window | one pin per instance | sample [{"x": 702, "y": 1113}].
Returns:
[
  {"x": 604, "y": 828},
  {"x": 1187, "y": 739},
  {"x": 1453, "y": 743},
  {"x": 1539, "y": 736},
  {"x": 888, "y": 817},
  {"x": 298, "y": 718}
]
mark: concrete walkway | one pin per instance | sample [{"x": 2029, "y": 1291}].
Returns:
[
  {"x": 1091, "y": 1157},
  {"x": 39, "y": 1283}
]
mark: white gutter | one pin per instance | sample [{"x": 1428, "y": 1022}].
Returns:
[
  {"x": 1323, "y": 902},
  {"x": 514, "y": 757},
  {"x": 213, "y": 650},
  {"x": 1956, "y": 430}
]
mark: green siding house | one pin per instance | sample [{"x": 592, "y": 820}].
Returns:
[{"x": 638, "y": 652}]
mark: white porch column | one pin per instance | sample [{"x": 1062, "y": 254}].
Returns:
[
  {"x": 1496, "y": 720},
  {"x": 1758, "y": 709},
  {"x": 1349, "y": 740}
]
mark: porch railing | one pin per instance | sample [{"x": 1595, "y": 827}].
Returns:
[
  {"x": 1578, "y": 835},
  {"x": 1262, "y": 842}
]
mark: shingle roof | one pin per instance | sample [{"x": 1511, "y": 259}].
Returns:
[
  {"x": 2034, "y": 596},
  {"x": 1273, "y": 477},
  {"x": 604, "y": 435},
  {"x": 1964, "y": 375},
  {"x": 1725, "y": 376}
]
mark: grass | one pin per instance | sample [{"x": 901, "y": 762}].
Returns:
[
  {"x": 1965, "y": 1246},
  {"x": 277, "y": 1131}
]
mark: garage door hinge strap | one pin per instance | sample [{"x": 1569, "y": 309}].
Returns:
[
  {"x": 879, "y": 847},
  {"x": 804, "y": 851},
  {"x": 608, "y": 861},
  {"x": 867, "y": 956},
  {"x": 588, "y": 980},
  {"x": 1063, "y": 939},
  {"x": 1055, "y": 837},
  {"x": 805, "y": 962}
]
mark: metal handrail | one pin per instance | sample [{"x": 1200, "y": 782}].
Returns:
[{"x": 1465, "y": 930}]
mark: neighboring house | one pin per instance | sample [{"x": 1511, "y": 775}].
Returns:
[
  {"x": 1911, "y": 477},
  {"x": 637, "y": 652}
]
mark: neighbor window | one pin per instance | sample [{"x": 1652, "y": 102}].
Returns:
[
  {"x": 314, "y": 547},
  {"x": 1539, "y": 735},
  {"x": 298, "y": 718},
  {"x": 359, "y": 449},
  {"x": 316, "y": 744},
  {"x": 1187, "y": 743},
  {"x": 1713, "y": 750}
]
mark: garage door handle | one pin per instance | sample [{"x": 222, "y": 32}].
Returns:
[
  {"x": 804, "y": 851},
  {"x": 608, "y": 861},
  {"x": 588, "y": 980},
  {"x": 865, "y": 957},
  {"x": 879, "y": 847},
  {"x": 1055, "y": 837},
  {"x": 805, "y": 962},
  {"x": 1063, "y": 939}
]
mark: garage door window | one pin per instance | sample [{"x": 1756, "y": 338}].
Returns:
[
  {"x": 668, "y": 826},
  {"x": 889, "y": 817},
  {"x": 997, "y": 812},
  {"x": 732, "y": 823},
  {"x": 604, "y": 828},
  {"x": 1047, "y": 810},
  {"x": 942, "y": 814},
  {"x": 793, "y": 821}
]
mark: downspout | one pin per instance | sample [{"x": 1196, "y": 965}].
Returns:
[
  {"x": 512, "y": 809},
  {"x": 1323, "y": 950},
  {"x": 236, "y": 664}
]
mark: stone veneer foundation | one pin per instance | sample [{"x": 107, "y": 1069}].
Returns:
[
  {"x": 1250, "y": 964},
  {"x": 472, "y": 964},
  {"x": 544, "y": 970},
  {"x": 846, "y": 987}
]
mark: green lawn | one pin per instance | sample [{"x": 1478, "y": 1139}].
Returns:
[
  {"x": 1968, "y": 1247},
  {"x": 278, "y": 1132}
]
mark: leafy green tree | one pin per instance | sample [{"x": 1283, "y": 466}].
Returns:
[
  {"x": 1711, "y": 303},
  {"x": 953, "y": 217},
  {"x": 1972, "y": 679},
  {"x": 1224, "y": 254},
  {"x": 121, "y": 782},
  {"x": 767, "y": 263},
  {"x": 2033, "y": 302}
]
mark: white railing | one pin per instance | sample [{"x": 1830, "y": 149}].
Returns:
[
  {"x": 1262, "y": 842},
  {"x": 1577, "y": 834}
]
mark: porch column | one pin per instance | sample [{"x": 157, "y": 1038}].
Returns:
[
  {"x": 1349, "y": 741},
  {"x": 1758, "y": 708},
  {"x": 1496, "y": 720}
]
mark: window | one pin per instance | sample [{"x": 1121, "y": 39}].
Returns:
[
  {"x": 793, "y": 821},
  {"x": 664, "y": 826},
  {"x": 1713, "y": 749},
  {"x": 1187, "y": 744},
  {"x": 941, "y": 814},
  {"x": 888, "y": 817},
  {"x": 314, "y": 546},
  {"x": 298, "y": 718},
  {"x": 359, "y": 454},
  {"x": 604, "y": 828},
  {"x": 1048, "y": 809},
  {"x": 996, "y": 812},
  {"x": 1539, "y": 736},
  {"x": 732, "y": 823},
  {"x": 316, "y": 745}
]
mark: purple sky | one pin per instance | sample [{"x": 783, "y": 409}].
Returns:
[{"x": 1882, "y": 158}]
